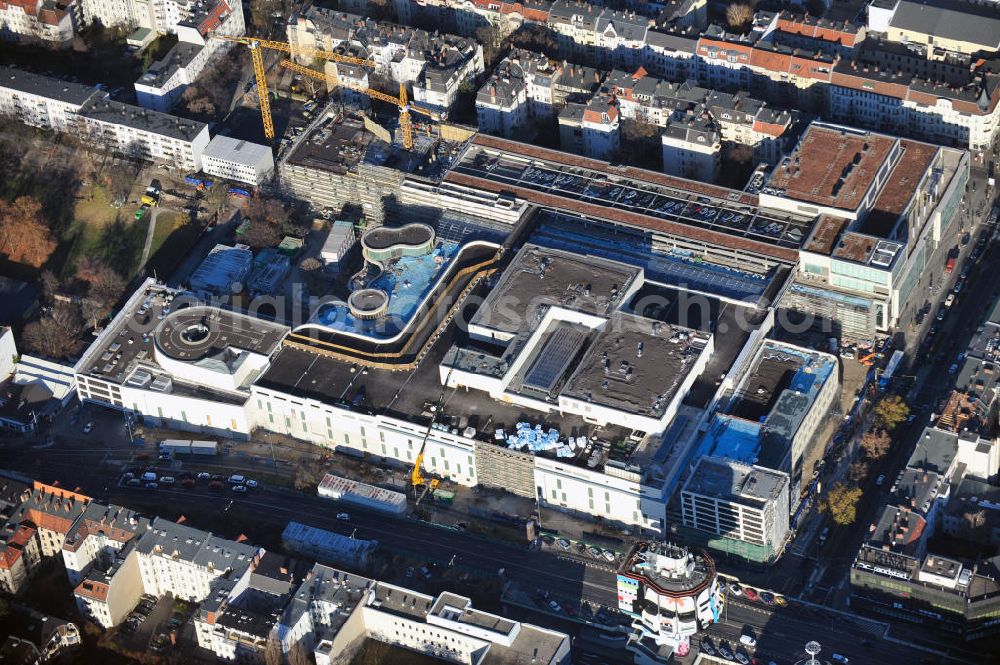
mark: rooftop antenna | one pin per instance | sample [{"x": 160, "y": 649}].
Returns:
[{"x": 813, "y": 648}]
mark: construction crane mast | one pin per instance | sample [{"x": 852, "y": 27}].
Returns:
[
  {"x": 256, "y": 47},
  {"x": 405, "y": 122}
]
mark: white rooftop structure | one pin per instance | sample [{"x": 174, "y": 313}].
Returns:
[{"x": 237, "y": 160}]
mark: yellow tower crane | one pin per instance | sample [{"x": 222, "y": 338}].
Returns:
[
  {"x": 405, "y": 107},
  {"x": 257, "y": 57}
]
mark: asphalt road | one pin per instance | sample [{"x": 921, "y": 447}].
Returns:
[{"x": 89, "y": 462}]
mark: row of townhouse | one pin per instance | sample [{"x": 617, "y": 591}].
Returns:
[
  {"x": 88, "y": 113},
  {"x": 36, "y": 518},
  {"x": 436, "y": 65},
  {"x": 249, "y": 598},
  {"x": 882, "y": 75},
  {"x": 694, "y": 122}
]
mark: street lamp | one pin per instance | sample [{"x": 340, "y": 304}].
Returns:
[{"x": 813, "y": 648}]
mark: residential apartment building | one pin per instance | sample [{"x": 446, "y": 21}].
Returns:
[
  {"x": 333, "y": 612},
  {"x": 591, "y": 129},
  {"x": 42, "y": 101},
  {"x": 965, "y": 28},
  {"x": 49, "y": 21},
  {"x": 743, "y": 508},
  {"x": 189, "y": 563},
  {"x": 143, "y": 133},
  {"x": 237, "y": 160},
  {"x": 692, "y": 148},
  {"x": 436, "y": 66},
  {"x": 38, "y": 518}
]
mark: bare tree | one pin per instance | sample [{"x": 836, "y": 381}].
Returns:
[
  {"x": 876, "y": 443},
  {"x": 57, "y": 333},
  {"x": 272, "y": 651},
  {"x": 738, "y": 16},
  {"x": 299, "y": 655},
  {"x": 260, "y": 234}
]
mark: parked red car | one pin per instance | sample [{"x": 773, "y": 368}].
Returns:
[{"x": 750, "y": 593}]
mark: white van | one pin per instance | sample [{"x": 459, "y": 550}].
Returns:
[
  {"x": 236, "y": 479},
  {"x": 748, "y": 640}
]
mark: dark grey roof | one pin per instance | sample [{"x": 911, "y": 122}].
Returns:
[
  {"x": 963, "y": 23},
  {"x": 46, "y": 86},
  {"x": 936, "y": 450},
  {"x": 199, "y": 547},
  {"x": 672, "y": 42},
  {"x": 164, "y": 124},
  {"x": 178, "y": 57}
]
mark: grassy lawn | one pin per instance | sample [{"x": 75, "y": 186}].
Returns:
[
  {"x": 94, "y": 206},
  {"x": 172, "y": 239}
]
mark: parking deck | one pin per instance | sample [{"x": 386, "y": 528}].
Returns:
[{"x": 552, "y": 179}]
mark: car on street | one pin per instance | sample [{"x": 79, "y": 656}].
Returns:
[
  {"x": 880, "y": 480},
  {"x": 767, "y": 597},
  {"x": 953, "y": 368},
  {"x": 608, "y": 555},
  {"x": 735, "y": 589},
  {"x": 88, "y": 428},
  {"x": 343, "y": 517},
  {"x": 750, "y": 593},
  {"x": 134, "y": 482},
  {"x": 748, "y": 640},
  {"x": 409, "y": 571},
  {"x": 780, "y": 600},
  {"x": 239, "y": 488},
  {"x": 725, "y": 652},
  {"x": 251, "y": 482},
  {"x": 707, "y": 648},
  {"x": 563, "y": 543},
  {"x": 594, "y": 551},
  {"x": 151, "y": 486},
  {"x": 554, "y": 606},
  {"x": 838, "y": 658},
  {"x": 742, "y": 659},
  {"x": 215, "y": 485},
  {"x": 204, "y": 475},
  {"x": 168, "y": 480}
]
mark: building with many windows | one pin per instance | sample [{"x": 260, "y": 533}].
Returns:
[
  {"x": 671, "y": 593},
  {"x": 237, "y": 160},
  {"x": 744, "y": 508},
  {"x": 882, "y": 204},
  {"x": 42, "y": 101},
  {"x": 48, "y": 21}
]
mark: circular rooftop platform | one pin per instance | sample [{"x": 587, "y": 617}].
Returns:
[
  {"x": 190, "y": 334},
  {"x": 384, "y": 242},
  {"x": 368, "y": 303}
]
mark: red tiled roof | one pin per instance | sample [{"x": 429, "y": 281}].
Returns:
[
  {"x": 22, "y": 536},
  {"x": 92, "y": 589},
  {"x": 9, "y": 556},
  {"x": 796, "y": 25}
]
